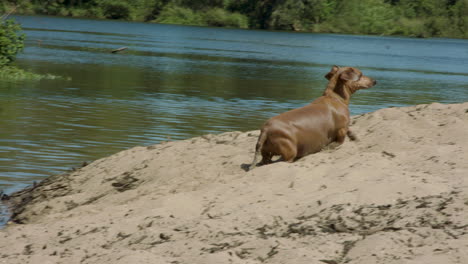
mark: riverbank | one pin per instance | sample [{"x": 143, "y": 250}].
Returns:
[
  {"x": 399, "y": 195},
  {"x": 418, "y": 18}
]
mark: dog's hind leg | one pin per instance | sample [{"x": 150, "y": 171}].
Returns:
[
  {"x": 341, "y": 135},
  {"x": 340, "y": 138},
  {"x": 288, "y": 150}
]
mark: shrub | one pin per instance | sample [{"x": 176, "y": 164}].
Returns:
[
  {"x": 54, "y": 9},
  {"x": 366, "y": 16},
  {"x": 78, "y": 12},
  {"x": 288, "y": 16},
  {"x": 172, "y": 14},
  {"x": 11, "y": 41},
  {"x": 221, "y": 18},
  {"x": 116, "y": 9},
  {"x": 11, "y": 73},
  {"x": 411, "y": 27},
  {"x": 237, "y": 20}
]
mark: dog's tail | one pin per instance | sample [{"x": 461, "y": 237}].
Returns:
[{"x": 258, "y": 149}]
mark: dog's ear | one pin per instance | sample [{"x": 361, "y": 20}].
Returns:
[
  {"x": 332, "y": 72},
  {"x": 349, "y": 75}
]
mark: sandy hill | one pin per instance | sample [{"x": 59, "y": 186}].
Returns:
[{"x": 399, "y": 195}]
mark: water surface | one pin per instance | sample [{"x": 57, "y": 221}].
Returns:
[{"x": 176, "y": 82}]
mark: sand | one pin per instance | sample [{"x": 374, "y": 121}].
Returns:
[{"x": 398, "y": 195}]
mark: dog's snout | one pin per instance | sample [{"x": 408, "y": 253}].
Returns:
[{"x": 374, "y": 82}]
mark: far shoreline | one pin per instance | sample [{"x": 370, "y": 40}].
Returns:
[{"x": 234, "y": 28}]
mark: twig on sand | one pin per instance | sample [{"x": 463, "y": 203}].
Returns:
[{"x": 391, "y": 155}]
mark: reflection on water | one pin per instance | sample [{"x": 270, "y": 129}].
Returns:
[{"x": 176, "y": 82}]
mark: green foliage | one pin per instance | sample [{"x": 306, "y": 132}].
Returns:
[
  {"x": 258, "y": 12},
  {"x": 22, "y": 6},
  {"x": 9, "y": 73},
  {"x": 11, "y": 41},
  {"x": 92, "y": 12},
  {"x": 288, "y": 15},
  {"x": 365, "y": 16},
  {"x": 459, "y": 19},
  {"x": 410, "y": 27},
  {"x": 200, "y": 4},
  {"x": 419, "y": 18},
  {"x": 432, "y": 18},
  {"x": 147, "y": 10},
  {"x": 221, "y": 18},
  {"x": 172, "y": 14},
  {"x": 318, "y": 11},
  {"x": 116, "y": 9}
]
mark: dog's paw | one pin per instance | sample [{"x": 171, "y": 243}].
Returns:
[
  {"x": 352, "y": 136},
  {"x": 246, "y": 167}
]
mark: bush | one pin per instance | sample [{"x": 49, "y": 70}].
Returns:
[
  {"x": 221, "y": 18},
  {"x": 217, "y": 17},
  {"x": 172, "y": 14},
  {"x": 54, "y": 9},
  {"x": 116, "y": 9},
  {"x": 411, "y": 27},
  {"x": 11, "y": 73},
  {"x": 11, "y": 41},
  {"x": 79, "y": 12},
  {"x": 288, "y": 16},
  {"x": 365, "y": 17}
]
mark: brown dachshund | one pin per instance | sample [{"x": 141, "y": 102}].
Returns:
[{"x": 309, "y": 129}]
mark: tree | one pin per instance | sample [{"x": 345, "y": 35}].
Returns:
[
  {"x": 288, "y": 15},
  {"x": 366, "y": 16},
  {"x": 459, "y": 17},
  {"x": 320, "y": 10}
]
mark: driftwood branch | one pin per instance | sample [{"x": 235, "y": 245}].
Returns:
[
  {"x": 5, "y": 16},
  {"x": 119, "y": 49}
]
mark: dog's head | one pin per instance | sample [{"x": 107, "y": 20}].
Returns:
[{"x": 350, "y": 77}]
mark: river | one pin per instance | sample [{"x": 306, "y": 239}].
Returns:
[{"x": 176, "y": 82}]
